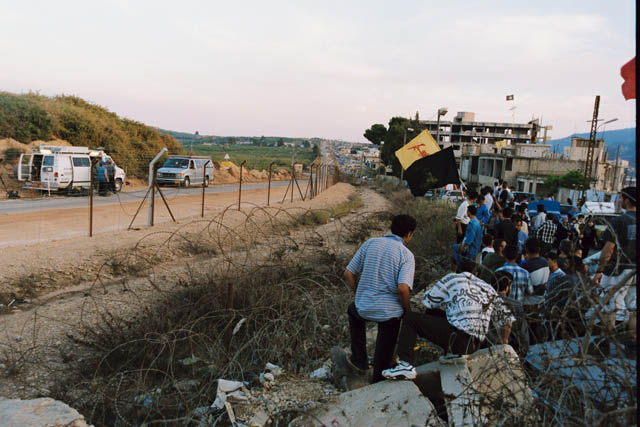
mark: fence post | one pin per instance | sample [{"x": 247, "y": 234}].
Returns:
[
  {"x": 227, "y": 335},
  {"x": 152, "y": 180},
  {"x": 91, "y": 183},
  {"x": 204, "y": 177},
  {"x": 269, "y": 187},
  {"x": 296, "y": 181},
  {"x": 310, "y": 183},
  {"x": 240, "y": 189}
]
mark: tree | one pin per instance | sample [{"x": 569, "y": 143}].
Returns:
[
  {"x": 316, "y": 150},
  {"x": 280, "y": 142},
  {"x": 306, "y": 144},
  {"x": 571, "y": 179},
  {"x": 394, "y": 140},
  {"x": 376, "y": 133}
]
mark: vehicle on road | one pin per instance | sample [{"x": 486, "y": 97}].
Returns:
[
  {"x": 453, "y": 196},
  {"x": 521, "y": 196},
  {"x": 185, "y": 171},
  {"x": 57, "y": 168}
]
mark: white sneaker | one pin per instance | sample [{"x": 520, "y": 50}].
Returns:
[{"x": 402, "y": 370}]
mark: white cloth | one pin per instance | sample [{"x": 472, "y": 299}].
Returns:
[
  {"x": 469, "y": 303},
  {"x": 462, "y": 212},
  {"x": 624, "y": 299},
  {"x": 488, "y": 200}
]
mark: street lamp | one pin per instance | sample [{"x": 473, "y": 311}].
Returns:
[
  {"x": 405, "y": 143},
  {"x": 380, "y": 158},
  {"x": 441, "y": 112}
]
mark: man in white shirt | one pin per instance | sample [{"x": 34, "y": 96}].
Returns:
[
  {"x": 462, "y": 219},
  {"x": 539, "y": 219},
  {"x": 488, "y": 198},
  {"x": 459, "y": 309}
]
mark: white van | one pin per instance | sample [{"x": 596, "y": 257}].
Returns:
[
  {"x": 52, "y": 167},
  {"x": 186, "y": 170}
]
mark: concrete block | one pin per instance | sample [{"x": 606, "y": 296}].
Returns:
[
  {"x": 609, "y": 380},
  {"x": 486, "y": 387},
  {"x": 39, "y": 412},
  {"x": 387, "y": 403}
]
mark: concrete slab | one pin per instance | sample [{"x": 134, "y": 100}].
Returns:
[
  {"x": 486, "y": 387},
  {"x": 387, "y": 403},
  {"x": 607, "y": 380},
  {"x": 39, "y": 412}
]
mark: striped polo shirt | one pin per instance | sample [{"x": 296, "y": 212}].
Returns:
[{"x": 384, "y": 263}]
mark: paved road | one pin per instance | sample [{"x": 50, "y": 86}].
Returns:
[{"x": 64, "y": 202}]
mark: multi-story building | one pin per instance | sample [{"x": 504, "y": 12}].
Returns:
[
  {"x": 525, "y": 166},
  {"x": 464, "y": 131}
]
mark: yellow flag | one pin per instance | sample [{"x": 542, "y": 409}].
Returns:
[
  {"x": 501, "y": 144},
  {"x": 419, "y": 147}
]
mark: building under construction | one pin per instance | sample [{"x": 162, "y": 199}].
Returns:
[{"x": 464, "y": 132}]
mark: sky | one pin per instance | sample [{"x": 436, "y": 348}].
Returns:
[{"x": 327, "y": 69}]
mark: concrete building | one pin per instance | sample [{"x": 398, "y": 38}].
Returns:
[
  {"x": 464, "y": 131},
  {"x": 525, "y": 166}
]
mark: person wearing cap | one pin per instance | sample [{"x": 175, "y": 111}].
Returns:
[{"x": 618, "y": 253}]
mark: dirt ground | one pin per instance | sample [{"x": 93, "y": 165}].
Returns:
[
  {"x": 54, "y": 245},
  {"x": 71, "y": 287}
]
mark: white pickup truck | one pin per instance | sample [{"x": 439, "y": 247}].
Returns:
[{"x": 52, "y": 168}]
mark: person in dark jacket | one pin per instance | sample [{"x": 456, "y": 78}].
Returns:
[
  {"x": 506, "y": 229},
  {"x": 589, "y": 238}
]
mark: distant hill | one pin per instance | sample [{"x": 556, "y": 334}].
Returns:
[
  {"x": 186, "y": 139},
  {"x": 625, "y": 138},
  {"x": 30, "y": 117}
]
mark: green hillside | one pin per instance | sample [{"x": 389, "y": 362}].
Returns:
[{"x": 30, "y": 117}]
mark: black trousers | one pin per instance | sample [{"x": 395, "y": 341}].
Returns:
[
  {"x": 385, "y": 343},
  {"x": 460, "y": 237},
  {"x": 433, "y": 326}
]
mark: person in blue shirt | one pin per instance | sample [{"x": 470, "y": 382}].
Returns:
[
  {"x": 472, "y": 242},
  {"x": 103, "y": 178},
  {"x": 483, "y": 214},
  {"x": 522, "y": 236}
]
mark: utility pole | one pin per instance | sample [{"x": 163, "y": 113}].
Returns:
[
  {"x": 588, "y": 166},
  {"x": 405, "y": 143}
]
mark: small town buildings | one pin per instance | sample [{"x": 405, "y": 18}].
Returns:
[{"x": 525, "y": 166}]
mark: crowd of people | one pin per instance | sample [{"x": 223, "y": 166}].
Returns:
[{"x": 508, "y": 267}]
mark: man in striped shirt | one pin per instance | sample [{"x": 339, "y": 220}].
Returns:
[
  {"x": 459, "y": 309},
  {"x": 521, "y": 283},
  {"x": 386, "y": 269}
]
